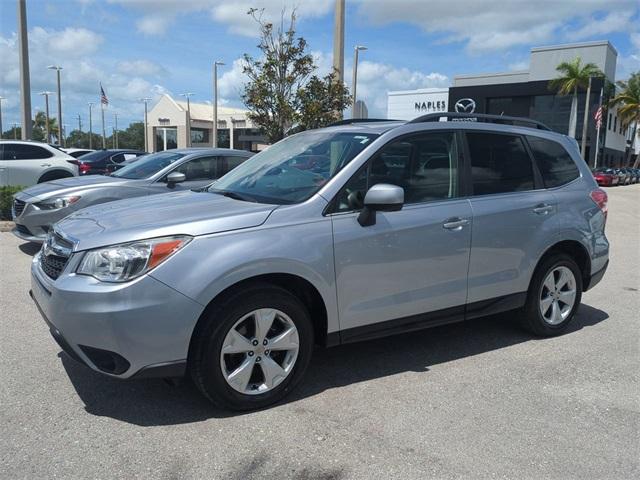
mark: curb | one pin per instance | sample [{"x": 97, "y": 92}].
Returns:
[{"x": 6, "y": 226}]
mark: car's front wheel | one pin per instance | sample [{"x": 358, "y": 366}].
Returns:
[
  {"x": 554, "y": 295},
  {"x": 253, "y": 348}
]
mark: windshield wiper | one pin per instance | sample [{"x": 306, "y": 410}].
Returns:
[{"x": 234, "y": 195}]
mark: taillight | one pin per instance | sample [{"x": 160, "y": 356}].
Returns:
[
  {"x": 600, "y": 198},
  {"x": 83, "y": 167}
]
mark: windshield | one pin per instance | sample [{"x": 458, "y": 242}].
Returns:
[
  {"x": 292, "y": 170},
  {"x": 147, "y": 165}
]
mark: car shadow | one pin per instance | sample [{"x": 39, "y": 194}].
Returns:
[
  {"x": 156, "y": 402},
  {"x": 29, "y": 248}
]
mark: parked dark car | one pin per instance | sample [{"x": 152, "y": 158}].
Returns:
[
  {"x": 117, "y": 166},
  {"x": 624, "y": 178},
  {"x": 100, "y": 161}
]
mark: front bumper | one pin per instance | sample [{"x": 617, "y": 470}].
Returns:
[
  {"x": 33, "y": 224},
  {"x": 138, "y": 329}
]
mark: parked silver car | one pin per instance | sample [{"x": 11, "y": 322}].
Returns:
[
  {"x": 330, "y": 236},
  {"x": 36, "y": 208}
]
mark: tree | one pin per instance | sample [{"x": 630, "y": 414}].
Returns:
[
  {"x": 281, "y": 91},
  {"x": 628, "y": 102},
  {"x": 574, "y": 75},
  {"x": 39, "y": 129}
]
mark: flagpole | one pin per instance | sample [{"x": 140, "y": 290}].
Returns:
[
  {"x": 104, "y": 137},
  {"x": 595, "y": 158}
]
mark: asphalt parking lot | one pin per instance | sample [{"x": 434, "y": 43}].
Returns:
[{"x": 481, "y": 399}]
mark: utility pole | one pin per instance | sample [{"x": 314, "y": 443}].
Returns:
[
  {"x": 1, "y": 98},
  {"x": 215, "y": 102},
  {"x": 46, "y": 94},
  {"x": 57, "y": 69},
  {"x": 80, "y": 125},
  {"x": 146, "y": 126},
  {"x": 90, "y": 126},
  {"x": 338, "y": 40},
  {"x": 25, "y": 82},
  {"x": 187, "y": 95},
  {"x": 354, "y": 86},
  {"x": 15, "y": 130},
  {"x": 115, "y": 130},
  {"x": 104, "y": 135}
]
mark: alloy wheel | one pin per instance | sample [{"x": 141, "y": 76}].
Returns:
[{"x": 557, "y": 295}]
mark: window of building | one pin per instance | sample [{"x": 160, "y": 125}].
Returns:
[
  {"x": 200, "y": 135},
  {"x": 609, "y": 123},
  {"x": 425, "y": 166},
  {"x": 555, "y": 164},
  {"x": 615, "y": 123},
  {"x": 499, "y": 164}
]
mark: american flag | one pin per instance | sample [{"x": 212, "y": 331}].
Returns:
[
  {"x": 103, "y": 96},
  {"x": 598, "y": 117}
]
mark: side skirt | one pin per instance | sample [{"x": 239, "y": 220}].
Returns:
[{"x": 428, "y": 320}]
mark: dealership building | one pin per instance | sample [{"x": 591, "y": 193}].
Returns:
[
  {"x": 168, "y": 120},
  {"x": 527, "y": 94}
]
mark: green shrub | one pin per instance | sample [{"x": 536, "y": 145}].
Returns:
[{"x": 6, "y": 199}]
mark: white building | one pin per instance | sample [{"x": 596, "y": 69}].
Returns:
[
  {"x": 409, "y": 104},
  {"x": 168, "y": 126}
]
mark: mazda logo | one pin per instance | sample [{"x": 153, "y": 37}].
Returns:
[{"x": 465, "y": 105}]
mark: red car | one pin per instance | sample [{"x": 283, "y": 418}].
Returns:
[{"x": 606, "y": 177}]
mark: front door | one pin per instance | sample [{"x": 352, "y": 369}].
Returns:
[{"x": 411, "y": 261}]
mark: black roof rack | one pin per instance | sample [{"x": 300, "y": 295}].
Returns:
[
  {"x": 481, "y": 117},
  {"x": 349, "y": 121}
]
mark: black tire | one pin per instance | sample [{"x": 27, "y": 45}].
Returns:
[
  {"x": 532, "y": 319},
  {"x": 55, "y": 175},
  {"x": 204, "y": 362}
]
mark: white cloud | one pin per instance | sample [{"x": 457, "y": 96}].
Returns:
[
  {"x": 491, "y": 25},
  {"x": 140, "y": 67},
  {"x": 616, "y": 21},
  {"x": 159, "y": 15}
]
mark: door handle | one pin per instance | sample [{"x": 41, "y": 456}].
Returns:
[
  {"x": 543, "y": 209},
  {"x": 45, "y": 164},
  {"x": 455, "y": 223}
]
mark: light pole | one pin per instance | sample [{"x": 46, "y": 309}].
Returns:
[
  {"x": 63, "y": 131},
  {"x": 46, "y": 94},
  {"x": 57, "y": 69},
  {"x": 90, "y": 125},
  {"x": 215, "y": 102},
  {"x": 146, "y": 143},
  {"x": 15, "y": 130},
  {"x": 187, "y": 95},
  {"x": 354, "y": 86},
  {"x": 25, "y": 81},
  {"x": 1, "y": 98}
]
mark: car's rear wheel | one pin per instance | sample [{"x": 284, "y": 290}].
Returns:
[
  {"x": 253, "y": 348},
  {"x": 554, "y": 295},
  {"x": 55, "y": 175}
]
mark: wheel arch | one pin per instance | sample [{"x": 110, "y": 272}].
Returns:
[
  {"x": 577, "y": 251},
  {"x": 54, "y": 174}
]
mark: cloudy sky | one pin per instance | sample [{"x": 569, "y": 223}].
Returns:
[{"x": 143, "y": 48}]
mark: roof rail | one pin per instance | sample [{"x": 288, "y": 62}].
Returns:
[
  {"x": 481, "y": 117},
  {"x": 349, "y": 121}
]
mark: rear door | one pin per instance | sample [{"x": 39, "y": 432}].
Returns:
[
  {"x": 511, "y": 213},
  {"x": 27, "y": 163}
]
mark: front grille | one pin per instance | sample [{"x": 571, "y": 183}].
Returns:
[
  {"x": 18, "y": 207},
  {"x": 55, "y": 255},
  {"x": 22, "y": 229}
]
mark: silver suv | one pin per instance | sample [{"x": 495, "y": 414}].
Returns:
[{"x": 330, "y": 236}]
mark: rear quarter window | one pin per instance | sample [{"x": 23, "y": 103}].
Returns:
[{"x": 554, "y": 162}]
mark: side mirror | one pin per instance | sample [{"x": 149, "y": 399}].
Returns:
[
  {"x": 381, "y": 197},
  {"x": 174, "y": 178}
]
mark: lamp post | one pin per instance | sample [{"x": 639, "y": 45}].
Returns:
[
  {"x": 146, "y": 143},
  {"x": 215, "y": 102},
  {"x": 57, "y": 69},
  {"x": 46, "y": 94},
  {"x": 15, "y": 130},
  {"x": 1, "y": 98},
  {"x": 354, "y": 86},
  {"x": 90, "y": 125},
  {"x": 25, "y": 79},
  {"x": 187, "y": 95}
]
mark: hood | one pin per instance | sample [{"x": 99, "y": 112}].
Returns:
[
  {"x": 187, "y": 213},
  {"x": 64, "y": 186}
]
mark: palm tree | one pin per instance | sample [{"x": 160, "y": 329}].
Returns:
[
  {"x": 628, "y": 103},
  {"x": 574, "y": 75},
  {"x": 40, "y": 126}
]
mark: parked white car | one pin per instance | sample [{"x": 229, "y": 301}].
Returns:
[
  {"x": 77, "y": 152},
  {"x": 26, "y": 163}
]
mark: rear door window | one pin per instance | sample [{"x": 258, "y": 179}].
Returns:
[
  {"x": 499, "y": 163},
  {"x": 555, "y": 164},
  {"x": 20, "y": 151}
]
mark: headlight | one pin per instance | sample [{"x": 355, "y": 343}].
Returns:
[
  {"x": 124, "y": 262},
  {"x": 57, "y": 203}
]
